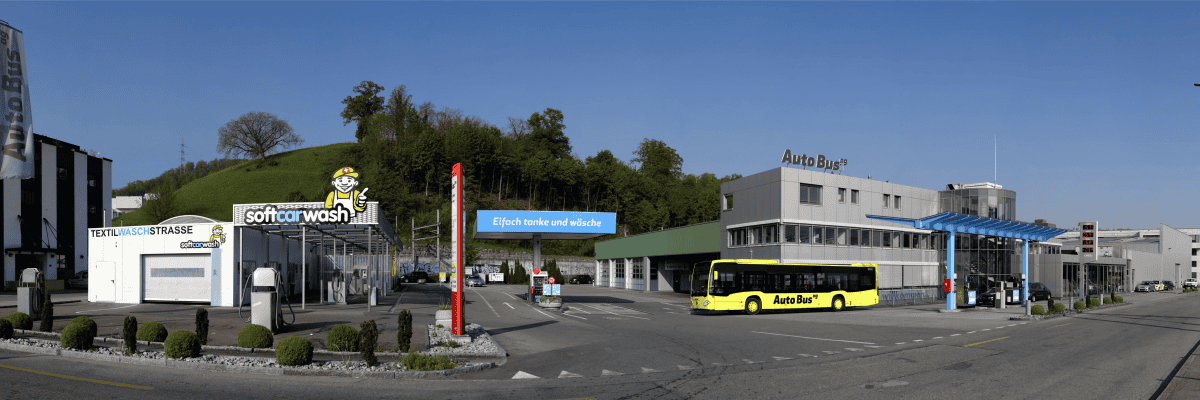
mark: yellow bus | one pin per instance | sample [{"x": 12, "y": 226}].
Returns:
[{"x": 756, "y": 285}]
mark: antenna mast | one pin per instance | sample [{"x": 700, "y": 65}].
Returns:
[
  {"x": 180, "y": 154},
  {"x": 995, "y": 159}
]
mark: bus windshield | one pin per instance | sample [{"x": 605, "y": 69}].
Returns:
[{"x": 700, "y": 279}]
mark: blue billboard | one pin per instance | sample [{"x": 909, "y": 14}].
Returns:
[{"x": 514, "y": 221}]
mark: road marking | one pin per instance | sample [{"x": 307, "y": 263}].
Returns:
[
  {"x": 683, "y": 368},
  {"x": 875, "y": 347},
  {"x": 610, "y": 373},
  {"x": 649, "y": 371},
  {"x": 485, "y": 300},
  {"x": 918, "y": 340},
  {"x": 613, "y": 313},
  {"x": 939, "y": 337},
  {"x": 747, "y": 360},
  {"x": 781, "y": 358},
  {"x": 956, "y": 334},
  {"x": 525, "y": 375},
  {"x": 719, "y": 364},
  {"x": 575, "y": 316},
  {"x": 1060, "y": 325},
  {"x": 103, "y": 309},
  {"x": 510, "y": 306},
  {"x": 806, "y": 355},
  {"x": 985, "y": 341},
  {"x": 566, "y": 374},
  {"x": 987, "y": 329},
  {"x": 853, "y": 349},
  {"x": 970, "y": 332},
  {"x": 831, "y": 352},
  {"x": 124, "y": 385},
  {"x": 813, "y": 338},
  {"x": 901, "y": 343}
]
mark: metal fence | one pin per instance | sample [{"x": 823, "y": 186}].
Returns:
[{"x": 908, "y": 296}]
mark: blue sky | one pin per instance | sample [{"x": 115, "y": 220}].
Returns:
[{"x": 1093, "y": 103}]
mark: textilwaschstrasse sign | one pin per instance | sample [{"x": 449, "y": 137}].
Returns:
[{"x": 819, "y": 162}]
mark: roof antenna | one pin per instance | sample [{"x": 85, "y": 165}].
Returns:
[{"x": 995, "y": 159}]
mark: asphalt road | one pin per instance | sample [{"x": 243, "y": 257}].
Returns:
[{"x": 620, "y": 344}]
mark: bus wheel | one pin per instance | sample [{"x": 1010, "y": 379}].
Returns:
[
  {"x": 753, "y": 306},
  {"x": 839, "y": 303}
]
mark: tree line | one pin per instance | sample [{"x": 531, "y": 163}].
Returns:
[
  {"x": 406, "y": 151},
  {"x": 176, "y": 177}
]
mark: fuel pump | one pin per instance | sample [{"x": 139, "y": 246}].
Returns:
[
  {"x": 536, "y": 282},
  {"x": 31, "y": 292},
  {"x": 266, "y": 309}
]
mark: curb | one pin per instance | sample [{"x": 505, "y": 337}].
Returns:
[
  {"x": 202, "y": 366},
  {"x": 52, "y": 302},
  {"x": 1066, "y": 313}
]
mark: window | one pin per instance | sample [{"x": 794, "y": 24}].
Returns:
[
  {"x": 829, "y": 235},
  {"x": 897, "y": 202},
  {"x": 637, "y": 270},
  {"x": 804, "y": 234},
  {"x": 887, "y": 200},
  {"x": 729, "y": 202},
  {"x": 853, "y": 196},
  {"x": 810, "y": 194},
  {"x": 854, "y": 236},
  {"x": 620, "y": 268},
  {"x": 818, "y": 234},
  {"x": 769, "y": 233},
  {"x": 62, "y": 173},
  {"x": 865, "y": 236},
  {"x": 887, "y": 239},
  {"x": 876, "y": 239},
  {"x": 841, "y": 236},
  {"x": 841, "y": 195},
  {"x": 907, "y": 241},
  {"x": 789, "y": 233},
  {"x": 895, "y": 239},
  {"x": 756, "y": 235}
]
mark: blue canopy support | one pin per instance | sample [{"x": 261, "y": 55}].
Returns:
[{"x": 962, "y": 223}]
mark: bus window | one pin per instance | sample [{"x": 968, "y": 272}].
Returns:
[
  {"x": 725, "y": 284},
  {"x": 819, "y": 285},
  {"x": 755, "y": 281},
  {"x": 805, "y": 282},
  {"x": 867, "y": 279}
]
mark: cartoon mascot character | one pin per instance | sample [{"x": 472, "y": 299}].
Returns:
[
  {"x": 218, "y": 234},
  {"x": 344, "y": 181}
]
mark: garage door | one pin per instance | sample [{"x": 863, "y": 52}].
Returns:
[{"x": 177, "y": 277}]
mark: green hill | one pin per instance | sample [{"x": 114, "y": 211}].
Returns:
[{"x": 297, "y": 175}]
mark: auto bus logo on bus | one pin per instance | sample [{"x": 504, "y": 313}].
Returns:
[{"x": 799, "y": 299}]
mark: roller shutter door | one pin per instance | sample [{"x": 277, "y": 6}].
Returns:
[{"x": 177, "y": 277}]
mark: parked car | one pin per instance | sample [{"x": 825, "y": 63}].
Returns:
[
  {"x": 1038, "y": 291},
  {"x": 581, "y": 280},
  {"x": 1189, "y": 283},
  {"x": 80, "y": 281},
  {"x": 987, "y": 298},
  {"x": 1145, "y": 286},
  {"x": 473, "y": 281},
  {"x": 416, "y": 277},
  {"x": 1168, "y": 285},
  {"x": 1158, "y": 285}
]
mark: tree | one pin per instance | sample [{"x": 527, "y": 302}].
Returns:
[
  {"x": 658, "y": 161},
  {"x": 164, "y": 206},
  {"x": 256, "y": 134},
  {"x": 366, "y": 103}
]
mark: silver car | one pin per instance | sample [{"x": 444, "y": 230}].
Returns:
[
  {"x": 1146, "y": 286},
  {"x": 473, "y": 281}
]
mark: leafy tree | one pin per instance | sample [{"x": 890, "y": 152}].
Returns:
[
  {"x": 256, "y": 134},
  {"x": 658, "y": 161},
  {"x": 363, "y": 104},
  {"x": 164, "y": 206}
]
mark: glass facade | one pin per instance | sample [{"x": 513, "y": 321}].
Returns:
[{"x": 981, "y": 261}]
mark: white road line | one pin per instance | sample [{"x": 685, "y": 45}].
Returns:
[
  {"x": 524, "y": 375},
  {"x": 613, "y": 313},
  {"x": 901, "y": 343},
  {"x": 575, "y": 316},
  {"x": 102, "y": 309},
  {"x": 918, "y": 340},
  {"x": 485, "y": 301},
  {"x": 939, "y": 337},
  {"x": 956, "y": 334},
  {"x": 782, "y": 358},
  {"x": 970, "y": 332},
  {"x": 813, "y": 338},
  {"x": 566, "y": 374},
  {"x": 510, "y": 306}
]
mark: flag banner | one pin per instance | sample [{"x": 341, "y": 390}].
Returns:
[{"x": 16, "y": 159}]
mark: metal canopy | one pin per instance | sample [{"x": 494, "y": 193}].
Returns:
[
  {"x": 355, "y": 236},
  {"x": 962, "y": 223}
]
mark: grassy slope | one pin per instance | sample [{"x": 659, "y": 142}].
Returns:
[{"x": 213, "y": 196}]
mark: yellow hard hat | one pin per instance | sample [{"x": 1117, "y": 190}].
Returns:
[{"x": 345, "y": 171}]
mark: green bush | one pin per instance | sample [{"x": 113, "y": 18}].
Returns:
[
  {"x": 1037, "y": 310},
  {"x": 182, "y": 343},
  {"x": 6, "y": 329},
  {"x": 20, "y": 320},
  {"x": 129, "y": 333},
  {"x": 295, "y": 350},
  {"x": 1120, "y": 299},
  {"x": 1079, "y": 305},
  {"x": 368, "y": 337},
  {"x": 87, "y": 322},
  {"x": 342, "y": 338},
  {"x": 404, "y": 336},
  {"x": 255, "y": 337},
  {"x": 1060, "y": 308},
  {"x": 1107, "y": 300},
  {"x": 152, "y": 332},
  {"x": 47, "y": 324},
  {"x": 450, "y": 344},
  {"x": 421, "y": 362},
  {"x": 1094, "y": 303},
  {"x": 76, "y": 336},
  {"x": 202, "y": 325}
]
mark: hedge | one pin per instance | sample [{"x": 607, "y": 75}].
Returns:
[
  {"x": 342, "y": 338},
  {"x": 152, "y": 332},
  {"x": 76, "y": 336},
  {"x": 20, "y": 320},
  {"x": 295, "y": 350},
  {"x": 1037, "y": 310},
  {"x": 1079, "y": 305},
  {"x": 182, "y": 343},
  {"x": 255, "y": 337}
]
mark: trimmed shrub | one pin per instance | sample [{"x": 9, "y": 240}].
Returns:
[
  {"x": 76, "y": 336},
  {"x": 368, "y": 336},
  {"x": 47, "y": 324},
  {"x": 1050, "y": 303},
  {"x": 404, "y": 336},
  {"x": 1060, "y": 308},
  {"x": 182, "y": 343},
  {"x": 1120, "y": 299},
  {"x": 152, "y": 332},
  {"x": 202, "y": 325},
  {"x": 295, "y": 350},
  {"x": 342, "y": 338},
  {"x": 1079, "y": 305},
  {"x": 1094, "y": 303},
  {"x": 1037, "y": 310},
  {"x": 129, "y": 333},
  {"x": 255, "y": 337},
  {"x": 1107, "y": 300},
  {"x": 6, "y": 329},
  {"x": 421, "y": 362},
  {"x": 20, "y": 320},
  {"x": 87, "y": 322}
]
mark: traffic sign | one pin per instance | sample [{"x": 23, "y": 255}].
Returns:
[
  {"x": 552, "y": 279},
  {"x": 536, "y": 271}
]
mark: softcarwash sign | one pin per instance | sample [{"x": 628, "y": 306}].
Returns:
[
  {"x": 344, "y": 205},
  {"x": 501, "y": 221},
  {"x": 16, "y": 159}
]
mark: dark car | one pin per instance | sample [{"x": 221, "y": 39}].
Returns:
[
  {"x": 416, "y": 277},
  {"x": 581, "y": 280},
  {"x": 1169, "y": 285},
  {"x": 1038, "y": 291}
]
